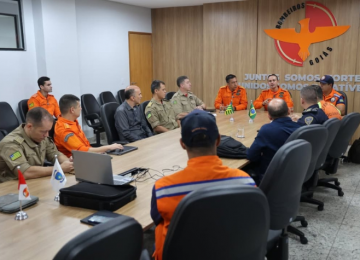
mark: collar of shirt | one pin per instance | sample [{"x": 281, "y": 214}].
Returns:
[
  {"x": 27, "y": 139},
  {"x": 41, "y": 95},
  {"x": 313, "y": 106},
  {"x": 204, "y": 160},
  {"x": 128, "y": 107},
  {"x": 235, "y": 90},
  {"x": 282, "y": 119},
  {"x": 331, "y": 94},
  {"x": 69, "y": 122}
]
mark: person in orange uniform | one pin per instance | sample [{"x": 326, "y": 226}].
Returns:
[
  {"x": 68, "y": 134},
  {"x": 330, "y": 110},
  {"x": 43, "y": 99},
  {"x": 330, "y": 94},
  {"x": 199, "y": 137},
  {"x": 273, "y": 92},
  {"x": 231, "y": 92}
]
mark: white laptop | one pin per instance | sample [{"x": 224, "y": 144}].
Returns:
[{"x": 96, "y": 168}]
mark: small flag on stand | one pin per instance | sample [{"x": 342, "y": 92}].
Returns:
[
  {"x": 229, "y": 110},
  {"x": 252, "y": 111},
  {"x": 58, "y": 178},
  {"x": 24, "y": 193}
]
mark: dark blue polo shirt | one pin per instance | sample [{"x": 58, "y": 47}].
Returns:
[{"x": 312, "y": 115}]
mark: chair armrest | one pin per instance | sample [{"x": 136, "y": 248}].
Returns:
[{"x": 93, "y": 117}]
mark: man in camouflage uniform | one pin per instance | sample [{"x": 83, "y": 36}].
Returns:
[
  {"x": 159, "y": 112},
  {"x": 28, "y": 146}
]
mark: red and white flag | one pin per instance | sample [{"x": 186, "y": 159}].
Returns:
[{"x": 24, "y": 193}]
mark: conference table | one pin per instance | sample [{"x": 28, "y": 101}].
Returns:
[{"x": 51, "y": 225}]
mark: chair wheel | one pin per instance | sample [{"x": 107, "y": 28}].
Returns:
[
  {"x": 304, "y": 223},
  {"x": 321, "y": 207},
  {"x": 337, "y": 183},
  {"x": 340, "y": 193},
  {"x": 303, "y": 240}
]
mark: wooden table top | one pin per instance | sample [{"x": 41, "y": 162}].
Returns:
[{"x": 51, "y": 225}]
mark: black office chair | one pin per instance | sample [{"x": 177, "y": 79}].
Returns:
[
  {"x": 8, "y": 119},
  {"x": 107, "y": 97},
  {"x": 282, "y": 184},
  {"x": 143, "y": 106},
  {"x": 2, "y": 134},
  {"x": 107, "y": 112},
  {"x": 121, "y": 95},
  {"x": 169, "y": 95},
  {"x": 345, "y": 100},
  {"x": 219, "y": 222},
  {"x": 316, "y": 135},
  {"x": 91, "y": 111},
  {"x": 348, "y": 126},
  {"x": 119, "y": 238},
  {"x": 23, "y": 109}
]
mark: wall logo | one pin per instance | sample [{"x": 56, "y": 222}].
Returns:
[{"x": 319, "y": 25}]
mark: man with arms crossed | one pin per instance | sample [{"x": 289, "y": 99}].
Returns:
[
  {"x": 330, "y": 94},
  {"x": 232, "y": 92},
  {"x": 28, "y": 146},
  {"x": 273, "y": 92},
  {"x": 159, "y": 112},
  {"x": 43, "y": 99},
  {"x": 184, "y": 101},
  {"x": 68, "y": 133},
  {"x": 130, "y": 121},
  {"x": 199, "y": 137}
]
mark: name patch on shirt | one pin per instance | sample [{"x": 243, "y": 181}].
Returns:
[
  {"x": 148, "y": 115},
  {"x": 15, "y": 156}
]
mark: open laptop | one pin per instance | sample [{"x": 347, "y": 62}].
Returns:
[
  {"x": 96, "y": 168},
  {"x": 126, "y": 149}
]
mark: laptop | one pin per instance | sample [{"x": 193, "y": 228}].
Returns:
[
  {"x": 126, "y": 149},
  {"x": 96, "y": 168}
]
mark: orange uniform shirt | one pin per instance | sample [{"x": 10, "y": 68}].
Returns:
[
  {"x": 265, "y": 94},
  {"x": 330, "y": 110},
  {"x": 68, "y": 136},
  {"x": 49, "y": 103},
  {"x": 168, "y": 191},
  {"x": 238, "y": 97},
  {"x": 334, "y": 98}
]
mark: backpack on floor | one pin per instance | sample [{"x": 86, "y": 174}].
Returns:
[{"x": 354, "y": 152}]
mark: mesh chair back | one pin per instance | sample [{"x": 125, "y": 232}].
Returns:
[
  {"x": 283, "y": 181},
  {"x": 107, "y": 112},
  {"x": 23, "y": 109},
  {"x": 219, "y": 222},
  {"x": 8, "y": 119},
  {"x": 169, "y": 95},
  {"x": 107, "y": 97}
]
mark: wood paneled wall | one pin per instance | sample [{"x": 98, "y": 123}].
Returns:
[{"x": 210, "y": 41}]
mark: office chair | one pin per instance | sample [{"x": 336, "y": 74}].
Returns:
[
  {"x": 8, "y": 119},
  {"x": 119, "y": 238},
  {"x": 143, "y": 106},
  {"x": 316, "y": 135},
  {"x": 107, "y": 112},
  {"x": 2, "y": 134},
  {"x": 23, "y": 109},
  {"x": 91, "y": 111},
  {"x": 348, "y": 126},
  {"x": 121, "y": 95},
  {"x": 281, "y": 185},
  {"x": 107, "y": 97},
  {"x": 219, "y": 222},
  {"x": 169, "y": 95},
  {"x": 345, "y": 100}
]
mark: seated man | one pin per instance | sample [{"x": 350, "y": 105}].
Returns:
[
  {"x": 274, "y": 92},
  {"x": 68, "y": 134},
  {"x": 330, "y": 110},
  {"x": 232, "y": 92},
  {"x": 185, "y": 101},
  {"x": 312, "y": 114},
  {"x": 199, "y": 137},
  {"x": 270, "y": 138},
  {"x": 330, "y": 94},
  {"x": 43, "y": 99},
  {"x": 130, "y": 121},
  {"x": 159, "y": 112},
  {"x": 28, "y": 146}
]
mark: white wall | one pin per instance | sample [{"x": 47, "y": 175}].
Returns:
[{"x": 82, "y": 45}]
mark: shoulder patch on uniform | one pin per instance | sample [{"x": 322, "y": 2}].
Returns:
[
  {"x": 308, "y": 120},
  {"x": 31, "y": 105},
  {"x": 174, "y": 102},
  {"x": 66, "y": 125},
  {"x": 332, "y": 99},
  {"x": 18, "y": 140},
  {"x": 15, "y": 156},
  {"x": 148, "y": 114},
  {"x": 68, "y": 136},
  {"x": 149, "y": 104},
  {"x": 341, "y": 100},
  {"x": 336, "y": 95}
]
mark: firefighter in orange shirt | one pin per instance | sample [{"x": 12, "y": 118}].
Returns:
[
  {"x": 330, "y": 110},
  {"x": 231, "y": 92},
  {"x": 43, "y": 99},
  {"x": 330, "y": 94},
  {"x": 273, "y": 92},
  {"x": 68, "y": 134}
]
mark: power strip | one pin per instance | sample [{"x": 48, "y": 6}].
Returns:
[{"x": 132, "y": 171}]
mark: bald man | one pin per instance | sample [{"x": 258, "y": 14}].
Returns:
[{"x": 130, "y": 120}]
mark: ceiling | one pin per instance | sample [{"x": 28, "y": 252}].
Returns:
[{"x": 169, "y": 3}]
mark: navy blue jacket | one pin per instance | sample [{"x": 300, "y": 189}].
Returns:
[
  {"x": 312, "y": 115},
  {"x": 269, "y": 139}
]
